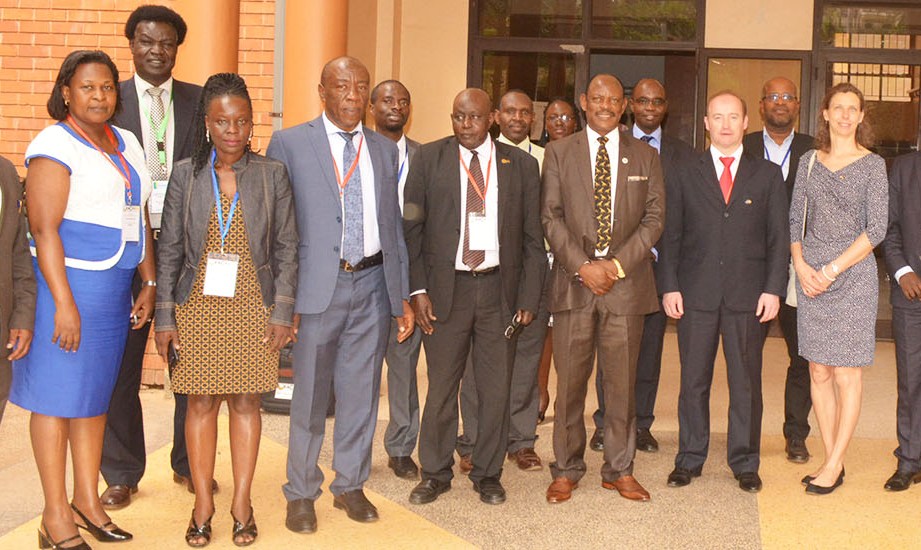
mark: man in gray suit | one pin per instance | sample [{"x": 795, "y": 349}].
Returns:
[
  {"x": 391, "y": 107},
  {"x": 352, "y": 278}
]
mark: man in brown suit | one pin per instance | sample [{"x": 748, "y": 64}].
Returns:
[
  {"x": 602, "y": 209},
  {"x": 17, "y": 279}
]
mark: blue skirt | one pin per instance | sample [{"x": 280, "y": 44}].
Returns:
[{"x": 52, "y": 382}]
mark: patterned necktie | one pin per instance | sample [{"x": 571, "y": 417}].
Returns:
[
  {"x": 473, "y": 258},
  {"x": 726, "y": 178},
  {"x": 646, "y": 139},
  {"x": 353, "y": 243},
  {"x": 151, "y": 144},
  {"x": 603, "y": 195}
]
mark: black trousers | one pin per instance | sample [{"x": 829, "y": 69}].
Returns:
[{"x": 796, "y": 397}]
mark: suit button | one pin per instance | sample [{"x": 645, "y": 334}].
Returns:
[
  {"x": 336, "y": 248},
  {"x": 725, "y": 214},
  {"x": 339, "y": 219}
]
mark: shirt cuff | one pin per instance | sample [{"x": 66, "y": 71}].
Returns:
[
  {"x": 421, "y": 291},
  {"x": 903, "y": 271}
]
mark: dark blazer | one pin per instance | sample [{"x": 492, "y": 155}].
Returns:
[
  {"x": 902, "y": 246},
  {"x": 304, "y": 149},
  {"x": 713, "y": 252},
  {"x": 17, "y": 278},
  {"x": 567, "y": 213},
  {"x": 268, "y": 214},
  {"x": 185, "y": 101},
  {"x": 432, "y": 218},
  {"x": 802, "y": 143}
]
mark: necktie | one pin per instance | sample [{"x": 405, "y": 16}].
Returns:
[
  {"x": 152, "y": 144},
  {"x": 726, "y": 178},
  {"x": 473, "y": 258},
  {"x": 603, "y": 195},
  {"x": 646, "y": 139},
  {"x": 353, "y": 243}
]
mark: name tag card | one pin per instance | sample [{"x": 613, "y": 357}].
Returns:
[
  {"x": 221, "y": 275},
  {"x": 483, "y": 233},
  {"x": 157, "y": 196},
  {"x": 131, "y": 224}
]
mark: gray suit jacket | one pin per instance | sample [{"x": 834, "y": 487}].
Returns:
[
  {"x": 902, "y": 246},
  {"x": 17, "y": 279},
  {"x": 304, "y": 149},
  {"x": 185, "y": 101}
]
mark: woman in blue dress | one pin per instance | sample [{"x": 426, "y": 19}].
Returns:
[{"x": 86, "y": 193}]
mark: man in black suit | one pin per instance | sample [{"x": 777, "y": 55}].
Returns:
[
  {"x": 723, "y": 269},
  {"x": 902, "y": 249},
  {"x": 159, "y": 111},
  {"x": 477, "y": 260},
  {"x": 650, "y": 106},
  {"x": 391, "y": 106},
  {"x": 779, "y": 107}
]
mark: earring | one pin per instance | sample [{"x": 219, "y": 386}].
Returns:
[
  {"x": 67, "y": 103},
  {"x": 208, "y": 135}
]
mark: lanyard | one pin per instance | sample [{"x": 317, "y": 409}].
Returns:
[
  {"x": 160, "y": 131},
  {"x": 124, "y": 172},
  {"x": 767, "y": 155},
  {"x": 342, "y": 183},
  {"x": 472, "y": 181},
  {"x": 402, "y": 166},
  {"x": 222, "y": 227}
]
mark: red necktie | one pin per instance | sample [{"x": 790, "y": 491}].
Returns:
[{"x": 726, "y": 178}]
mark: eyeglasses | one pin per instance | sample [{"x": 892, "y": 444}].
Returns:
[
  {"x": 644, "y": 101},
  {"x": 460, "y": 118},
  {"x": 775, "y": 97},
  {"x": 562, "y": 118}
]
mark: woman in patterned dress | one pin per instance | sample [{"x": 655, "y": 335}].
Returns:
[
  {"x": 225, "y": 300},
  {"x": 842, "y": 192}
]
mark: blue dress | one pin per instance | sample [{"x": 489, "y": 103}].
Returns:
[{"x": 99, "y": 266}]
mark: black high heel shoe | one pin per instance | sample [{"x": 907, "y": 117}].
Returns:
[
  {"x": 249, "y": 529},
  {"x": 813, "y": 489},
  {"x": 45, "y": 542},
  {"x": 195, "y": 531},
  {"x": 99, "y": 532},
  {"x": 808, "y": 479}
]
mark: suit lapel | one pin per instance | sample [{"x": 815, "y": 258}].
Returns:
[
  {"x": 503, "y": 173},
  {"x": 621, "y": 165},
  {"x": 451, "y": 168},
  {"x": 130, "y": 118},
  {"x": 586, "y": 171},
  {"x": 319, "y": 142},
  {"x": 740, "y": 182},
  {"x": 377, "y": 164},
  {"x": 183, "y": 117},
  {"x": 709, "y": 180}
]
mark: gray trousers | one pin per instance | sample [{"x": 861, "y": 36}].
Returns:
[
  {"x": 341, "y": 349},
  {"x": 906, "y": 328},
  {"x": 402, "y": 393}
]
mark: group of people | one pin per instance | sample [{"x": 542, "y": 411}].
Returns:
[{"x": 146, "y": 202}]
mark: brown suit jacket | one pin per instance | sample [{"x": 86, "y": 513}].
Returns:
[
  {"x": 17, "y": 278},
  {"x": 567, "y": 213}
]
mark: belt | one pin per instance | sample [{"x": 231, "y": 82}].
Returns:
[
  {"x": 365, "y": 263},
  {"x": 155, "y": 233},
  {"x": 478, "y": 273}
]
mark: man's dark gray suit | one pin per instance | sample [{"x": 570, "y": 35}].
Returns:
[
  {"x": 345, "y": 316},
  {"x": 797, "y": 400},
  {"x": 472, "y": 311},
  {"x": 124, "y": 456}
]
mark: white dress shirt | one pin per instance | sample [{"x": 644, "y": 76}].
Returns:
[
  {"x": 144, "y": 99},
  {"x": 778, "y": 154},
  {"x": 613, "y": 148},
  {"x": 370, "y": 229},
  {"x": 486, "y": 154},
  {"x": 718, "y": 164},
  {"x": 402, "y": 167},
  {"x": 656, "y": 135}
]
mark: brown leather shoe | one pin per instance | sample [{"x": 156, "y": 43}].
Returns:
[
  {"x": 116, "y": 497},
  {"x": 628, "y": 487},
  {"x": 561, "y": 490},
  {"x": 183, "y": 480},
  {"x": 526, "y": 459},
  {"x": 465, "y": 464}
]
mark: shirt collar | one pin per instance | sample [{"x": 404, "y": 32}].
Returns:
[
  {"x": 769, "y": 140},
  {"x": 401, "y": 146},
  {"x": 525, "y": 144},
  {"x": 333, "y": 130},
  {"x": 714, "y": 152},
  {"x": 613, "y": 136},
  {"x": 656, "y": 134},
  {"x": 484, "y": 150},
  {"x": 142, "y": 85}
]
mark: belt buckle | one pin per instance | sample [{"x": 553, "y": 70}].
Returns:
[{"x": 348, "y": 268}]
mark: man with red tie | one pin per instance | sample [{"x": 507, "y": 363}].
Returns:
[{"x": 722, "y": 271}]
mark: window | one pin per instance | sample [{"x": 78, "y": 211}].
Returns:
[{"x": 645, "y": 20}]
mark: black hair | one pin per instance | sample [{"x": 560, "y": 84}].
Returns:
[
  {"x": 159, "y": 14},
  {"x": 377, "y": 89},
  {"x": 544, "y": 135},
  {"x": 498, "y": 105},
  {"x": 57, "y": 109},
  {"x": 218, "y": 85}
]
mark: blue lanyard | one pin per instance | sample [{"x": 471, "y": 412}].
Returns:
[
  {"x": 402, "y": 166},
  {"x": 767, "y": 155},
  {"x": 224, "y": 228}
]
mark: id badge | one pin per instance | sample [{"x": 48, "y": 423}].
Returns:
[
  {"x": 131, "y": 224},
  {"x": 221, "y": 274},
  {"x": 157, "y": 196},
  {"x": 483, "y": 234}
]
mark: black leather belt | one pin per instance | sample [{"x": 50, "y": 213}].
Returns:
[
  {"x": 480, "y": 272},
  {"x": 365, "y": 263}
]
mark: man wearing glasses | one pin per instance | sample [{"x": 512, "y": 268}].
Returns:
[{"x": 782, "y": 145}]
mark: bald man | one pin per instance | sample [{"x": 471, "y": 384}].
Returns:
[{"x": 475, "y": 278}]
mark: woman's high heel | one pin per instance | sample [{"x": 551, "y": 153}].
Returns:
[
  {"x": 100, "y": 533},
  {"x": 45, "y": 542},
  {"x": 240, "y": 530},
  {"x": 196, "y": 531}
]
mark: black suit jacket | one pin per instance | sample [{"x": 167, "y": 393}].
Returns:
[
  {"x": 185, "y": 101},
  {"x": 432, "y": 218},
  {"x": 902, "y": 246},
  {"x": 714, "y": 253},
  {"x": 754, "y": 144}
]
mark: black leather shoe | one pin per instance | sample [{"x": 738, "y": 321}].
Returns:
[
  {"x": 749, "y": 481},
  {"x": 808, "y": 479},
  {"x": 301, "y": 518},
  {"x": 902, "y": 480},
  {"x": 645, "y": 442},
  {"x": 596, "y": 443},
  {"x": 107, "y": 532},
  {"x": 491, "y": 491},
  {"x": 404, "y": 467},
  {"x": 428, "y": 490},
  {"x": 819, "y": 490},
  {"x": 797, "y": 451},
  {"x": 682, "y": 476},
  {"x": 356, "y": 506}
]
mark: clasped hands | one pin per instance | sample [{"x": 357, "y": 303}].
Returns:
[
  {"x": 812, "y": 280},
  {"x": 598, "y": 276}
]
